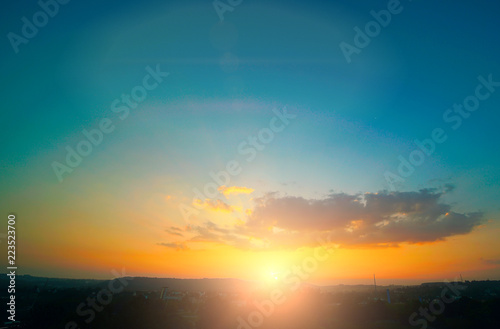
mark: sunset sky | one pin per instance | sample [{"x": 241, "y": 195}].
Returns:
[{"x": 247, "y": 140}]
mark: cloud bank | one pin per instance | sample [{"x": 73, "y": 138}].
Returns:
[{"x": 384, "y": 219}]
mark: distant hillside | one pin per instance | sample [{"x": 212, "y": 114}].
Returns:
[
  {"x": 221, "y": 285},
  {"x": 32, "y": 284},
  {"x": 208, "y": 285},
  {"x": 136, "y": 284},
  {"x": 356, "y": 288}
]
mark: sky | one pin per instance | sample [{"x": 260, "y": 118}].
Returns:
[{"x": 237, "y": 139}]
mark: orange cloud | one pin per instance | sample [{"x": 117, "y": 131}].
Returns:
[
  {"x": 227, "y": 190},
  {"x": 214, "y": 205},
  {"x": 178, "y": 246},
  {"x": 172, "y": 230},
  {"x": 370, "y": 220}
]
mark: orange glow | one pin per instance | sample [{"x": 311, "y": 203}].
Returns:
[{"x": 101, "y": 238}]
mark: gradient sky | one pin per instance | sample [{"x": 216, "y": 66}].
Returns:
[{"x": 323, "y": 173}]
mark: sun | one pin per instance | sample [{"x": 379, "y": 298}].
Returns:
[
  {"x": 270, "y": 277},
  {"x": 273, "y": 267}
]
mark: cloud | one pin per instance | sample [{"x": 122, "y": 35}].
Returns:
[
  {"x": 214, "y": 205},
  {"x": 210, "y": 232},
  {"x": 175, "y": 245},
  {"x": 362, "y": 219},
  {"x": 380, "y": 219},
  {"x": 491, "y": 261},
  {"x": 218, "y": 205},
  {"x": 449, "y": 187},
  {"x": 235, "y": 190},
  {"x": 174, "y": 231}
]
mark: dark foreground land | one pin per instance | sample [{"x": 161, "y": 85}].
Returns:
[{"x": 231, "y": 304}]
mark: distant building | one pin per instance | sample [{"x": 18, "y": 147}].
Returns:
[
  {"x": 164, "y": 293},
  {"x": 11, "y": 325},
  {"x": 170, "y": 295},
  {"x": 172, "y": 298}
]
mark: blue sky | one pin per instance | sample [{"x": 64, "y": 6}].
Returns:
[{"x": 353, "y": 119}]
